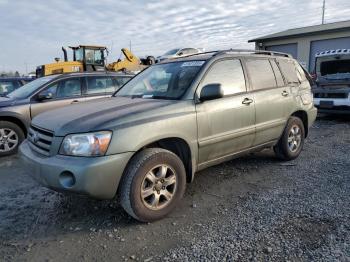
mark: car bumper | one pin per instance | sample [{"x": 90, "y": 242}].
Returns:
[
  {"x": 97, "y": 177},
  {"x": 328, "y": 104},
  {"x": 312, "y": 114}
]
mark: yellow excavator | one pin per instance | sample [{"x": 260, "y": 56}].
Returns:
[{"x": 92, "y": 58}]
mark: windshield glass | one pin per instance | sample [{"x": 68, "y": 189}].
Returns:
[
  {"x": 162, "y": 81},
  {"x": 172, "y": 52},
  {"x": 28, "y": 89}
]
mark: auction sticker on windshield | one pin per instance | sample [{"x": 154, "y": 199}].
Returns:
[{"x": 193, "y": 63}]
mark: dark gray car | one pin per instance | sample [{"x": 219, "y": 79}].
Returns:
[
  {"x": 19, "y": 107},
  {"x": 170, "y": 121}
]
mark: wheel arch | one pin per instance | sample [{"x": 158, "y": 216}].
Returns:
[
  {"x": 304, "y": 118},
  {"x": 179, "y": 147},
  {"x": 17, "y": 121}
]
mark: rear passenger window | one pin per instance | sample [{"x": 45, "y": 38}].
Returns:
[
  {"x": 261, "y": 74},
  {"x": 229, "y": 74},
  {"x": 99, "y": 85},
  {"x": 278, "y": 75},
  {"x": 289, "y": 71}
]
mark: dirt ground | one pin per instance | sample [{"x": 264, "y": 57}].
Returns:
[{"x": 251, "y": 208}]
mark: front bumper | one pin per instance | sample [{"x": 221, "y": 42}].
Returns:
[{"x": 97, "y": 177}]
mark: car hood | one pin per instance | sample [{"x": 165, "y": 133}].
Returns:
[
  {"x": 6, "y": 101},
  {"x": 102, "y": 114}
]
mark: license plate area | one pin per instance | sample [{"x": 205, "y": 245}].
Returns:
[{"x": 326, "y": 104}]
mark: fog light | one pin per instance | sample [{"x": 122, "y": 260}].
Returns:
[{"x": 67, "y": 179}]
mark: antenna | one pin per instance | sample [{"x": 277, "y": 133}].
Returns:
[{"x": 323, "y": 10}]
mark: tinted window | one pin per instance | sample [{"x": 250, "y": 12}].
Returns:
[
  {"x": 277, "y": 72},
  {"x": 98, "y": 85},
  {"x": 288, "y": 70},
  {"x": 229, "y": 74},
  {"x": 261, "y": 74},
  {"x": 69, "y": 88}
]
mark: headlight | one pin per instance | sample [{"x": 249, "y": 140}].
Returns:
[{"x": 88, "y": 144}]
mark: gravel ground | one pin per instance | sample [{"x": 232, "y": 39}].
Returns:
[{"x": 251, "y": 208}]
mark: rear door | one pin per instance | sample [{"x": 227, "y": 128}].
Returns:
[
  {"x": 64, "y": 92},
  {"x": 272, "y": 98},
  {"x": 225, "y": 125}
]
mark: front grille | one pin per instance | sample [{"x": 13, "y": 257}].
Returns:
[
  {"x": 40, "y": 140},
  {"x": 331, "y": 95}
]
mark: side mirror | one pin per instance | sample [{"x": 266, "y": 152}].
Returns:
[
  {"x": 211, "y": 92},
  {"x": 45, "y": 96}
]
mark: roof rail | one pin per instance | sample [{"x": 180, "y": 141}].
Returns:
[{"x": 234, "y": 51}]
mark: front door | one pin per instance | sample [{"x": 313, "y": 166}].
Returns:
[
  {"x": 63, "y": 93},
  {"x": 225, "y": 125}
]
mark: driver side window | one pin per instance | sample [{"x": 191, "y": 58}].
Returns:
[{"x": 52, "y": 89}]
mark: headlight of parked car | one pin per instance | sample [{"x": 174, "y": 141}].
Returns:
[{"x": 88, "y": 144}]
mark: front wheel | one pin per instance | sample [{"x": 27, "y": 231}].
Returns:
[
  {"x": 292, "y": 140},
  {"x": 11, "y": 136},
  {"x": 153, "y": 184}
]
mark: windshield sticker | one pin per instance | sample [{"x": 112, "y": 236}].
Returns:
[{"x": 193, "y": 63}]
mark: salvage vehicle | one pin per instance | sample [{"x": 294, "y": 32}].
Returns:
[
  {"x": 46, "y": 93},
  {"x": 91, "y": 58},
  {"x": 143, "y": 144},
  {"x": 332, "y": 92},
  {"x": 9, "y": 84},
  {"x": 179, "y": 52}
]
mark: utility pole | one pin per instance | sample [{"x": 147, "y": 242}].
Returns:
[{"x": 323, "y": 10}]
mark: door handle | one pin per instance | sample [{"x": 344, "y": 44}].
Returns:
[
  {"x": 75, "y": 101},
  {"x": 285, "y": 93},
  {"x": 247, "y": 101}
]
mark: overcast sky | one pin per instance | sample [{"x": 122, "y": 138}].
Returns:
[{"x": 32, "y": 32}]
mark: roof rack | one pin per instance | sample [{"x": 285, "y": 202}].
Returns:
[{"x": 238, "y": 51}]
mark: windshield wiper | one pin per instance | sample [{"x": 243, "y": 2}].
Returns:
[{"x": 161, "y": 97}]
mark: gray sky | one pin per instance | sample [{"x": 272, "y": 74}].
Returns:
[{"x": 33, "y": 31}]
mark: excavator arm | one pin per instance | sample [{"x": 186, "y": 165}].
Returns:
[{"x": 129, "y": 63}]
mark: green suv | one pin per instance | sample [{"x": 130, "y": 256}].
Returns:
[{"x": 173, "y": 119}]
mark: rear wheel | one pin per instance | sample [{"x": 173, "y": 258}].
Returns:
[
  {"x": 292, "y": 140},
  {"x": 153, "y": 184},
  {"x": 11, "y": 136}
]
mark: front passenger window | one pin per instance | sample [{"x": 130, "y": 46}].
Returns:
[{"x": 229, "y": 74}]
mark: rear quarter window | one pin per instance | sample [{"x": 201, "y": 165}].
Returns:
[{"x": 289, "y": 71}]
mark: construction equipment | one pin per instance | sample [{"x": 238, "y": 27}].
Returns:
[
  {"x": 85, "y": 58},
  {"x": 92, "y": 58},
  {"x": 130, "y": 62}
]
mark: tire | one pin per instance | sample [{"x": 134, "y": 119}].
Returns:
[
  {"x": 137, "y": 179},
  {"x": 285, "y": 149},
  {"x": 11, "y": 136}
]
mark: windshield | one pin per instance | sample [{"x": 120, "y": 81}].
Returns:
[
  {"x": 172, "y": 52},
  {"x": 30, "y": 88},
  {"x": 162, "y": 81}
]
